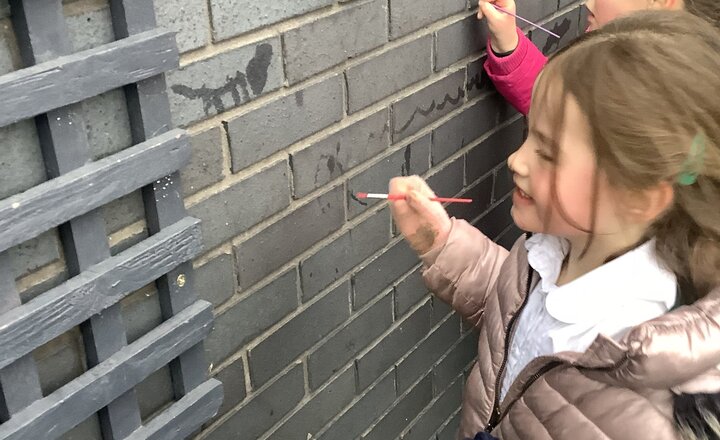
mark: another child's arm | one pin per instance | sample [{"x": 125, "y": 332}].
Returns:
[
  {"x": 513, "y": 62},
  {"x": 461, "y": 263}
]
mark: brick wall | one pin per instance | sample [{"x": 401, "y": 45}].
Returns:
[{"x": 323, "y": 326}]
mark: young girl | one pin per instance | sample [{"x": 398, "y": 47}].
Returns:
[
  {"x": 513, "y": 61},
  {"x": 605, "y": 323}
]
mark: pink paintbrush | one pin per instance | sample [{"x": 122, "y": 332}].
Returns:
[
  {"x": 505, "y": 11},
  {"x": 403, "y": 197}
]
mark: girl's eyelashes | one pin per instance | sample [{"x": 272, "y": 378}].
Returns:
[{"x": 544, "y": 156}]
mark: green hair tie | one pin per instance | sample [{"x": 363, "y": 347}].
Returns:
[{"x": 694, "y": 162}]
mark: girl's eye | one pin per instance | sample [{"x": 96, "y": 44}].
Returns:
[{"x": 544, "y": 156}]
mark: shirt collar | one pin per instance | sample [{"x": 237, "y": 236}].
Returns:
[{"x": 634, "y": 279}]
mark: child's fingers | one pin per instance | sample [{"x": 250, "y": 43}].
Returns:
[{"x": 488, "y": 11}]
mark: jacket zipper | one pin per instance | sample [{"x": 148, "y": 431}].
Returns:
[{"x": 495, "y": 414}]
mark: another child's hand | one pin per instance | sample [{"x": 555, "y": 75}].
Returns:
[
  {"x": 503, "y": 33},
  {"x": 424, "y": 224}
]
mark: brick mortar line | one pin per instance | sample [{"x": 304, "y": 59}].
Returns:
[
  {"x": 428, "y": 407},
  {"x": 447, "y": 421}
]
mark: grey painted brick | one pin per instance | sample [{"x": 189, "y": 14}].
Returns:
[
  {"x": 59, "y": 361},
  {"x": 428, "y": 105},
  {"x": 235, "y": 209},
  {"x": 269, "y": 129},
  {"x": 378, "y": 359},
  {"x": 331, "y": 40},
  {"x": 450, "y": 430},
  {"x": 564, "y": 3},
  {"x": 409, "y": 15},
  {"x": 235, "y": 17},
  {"x": 287, "y": 238},
  {"x": 208, "y": 87},
  {"x": 87, "y": 430},
  {"x": 337, "y": 258},
  {"x": 297, "y": 335},
  {"x": 481, "y": 194},
  {"x": 440, "y": 309},
  {"x": 90, "y": 28},
  {"x": 463, "y": 129},
  {"x": 455, "y": 361},
  {"x": 206, "y": 163},
  {"x": 35, "y": 253},
  {"x": 409, "y": 292},
  {"x": 155, "y": 392},
  {"x": 459, "y": 40},
  {"x": 359, "y": 416},
  {"x": 233, "y": 380},
  {"x": 264, "y": 410},
  {"x": 503, "y": 183},
  {"x": 319, "y": 410},
  {"x": 395, "y": 421},
  {"x": 189, "y": 18},
  {"x": 388, "y": 73},
  {"x": 583, "y": 21},
  {"x": 107, "y": 123},
  {"x": 437, "y": 412},
  {"x": 335, "y": 155},
  {"x": 8, "y": 48},
  {"x": 346, "y": 344},
  {"x": 215, "y": 280},
  {"x": 21, "y": 163},
  {"x": 123, "y": 211},
  {"x": 253, "y": 315},
  {"x": 478, "y": 81},
  {"x": 141, "y": 313},
  {"x": 380, "y": 273},
  {"x": 534, "y": 10},
  {"x": 567, "y": 26},
  {"x": 494, "y": 222},
  {"x": 413, "y": 159},
  {"x": 420, "y": 361},
  {"x": 493, "y": 151},
  {"x": 449, "y": 179},
  {"x": 509, "y": 237}
]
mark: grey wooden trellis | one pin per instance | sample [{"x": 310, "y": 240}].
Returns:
[{"x": 49, "y": 90}]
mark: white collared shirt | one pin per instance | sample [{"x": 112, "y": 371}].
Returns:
[{"x": 611, "y": 299}]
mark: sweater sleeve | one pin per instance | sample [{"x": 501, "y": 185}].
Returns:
[
  {"x": 514, "y": 75},
  {"x": 462, "y": 272}
]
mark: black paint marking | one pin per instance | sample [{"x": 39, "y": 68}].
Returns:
[
  {"x": 256, "y": 74},
  {"x": 433, "y": 106},
  {"x": 560, "y": 29},
  {"x": 406, "y": 170},
  {"x": 352, "y": 196},
  {"x": 480, "y": 81}
]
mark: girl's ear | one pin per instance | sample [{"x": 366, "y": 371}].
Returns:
[{"x": 646, "y": 205}]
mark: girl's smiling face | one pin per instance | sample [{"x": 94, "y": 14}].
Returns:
[{"x": 557, "y": 180}]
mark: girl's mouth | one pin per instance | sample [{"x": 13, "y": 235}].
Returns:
[{"x": 521, "y": 197}]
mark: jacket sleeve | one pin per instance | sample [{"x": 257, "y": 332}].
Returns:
[
  {"x": 514, "y": 75},
  {"x": 463, "y": 271}
]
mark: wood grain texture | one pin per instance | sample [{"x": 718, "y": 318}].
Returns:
[
  {"x": 59, "y": 412},
  {"x": 73, "y": 78},
  {"x": 185, "y": 416},
  {"x": 24, "y": 328},
  {"x": 26, "y": 215}
]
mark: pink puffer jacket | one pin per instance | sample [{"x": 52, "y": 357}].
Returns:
[{"x": 611, "y": 391}]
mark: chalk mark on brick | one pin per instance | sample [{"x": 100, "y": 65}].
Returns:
[
  {"x": 560, "y": 29},
  {"x": 433, "y": 106},
  {"x": 255, "y": 76}
]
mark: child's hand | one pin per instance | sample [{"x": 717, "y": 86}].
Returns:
[
  {"x": 424, "y": 224},
  {"x": 503, "y": 33}
]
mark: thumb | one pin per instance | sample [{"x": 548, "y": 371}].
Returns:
[{"x": 489, "y": 11}]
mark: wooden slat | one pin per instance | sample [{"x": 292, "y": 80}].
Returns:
[
  {"x": 26, "y": 215},
  {"x": 149, "y": 112},
  {"x": 26, "y": 327},
  {"x": 19, "y": 382},
  {"x": 185, "y": 416},
  {"x": 74, "y": 78},
  {"x": 59, "y": 412},
  {"x": 40, "y": 25}
]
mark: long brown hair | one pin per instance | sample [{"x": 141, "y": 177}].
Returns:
[
  {"x": 707, "y": 9},
  {"x": 648, "y": 85}
]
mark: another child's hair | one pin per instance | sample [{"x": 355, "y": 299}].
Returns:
[
  {"x": 648, "y": 85},
  {"x": 707, "y": 9}
]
